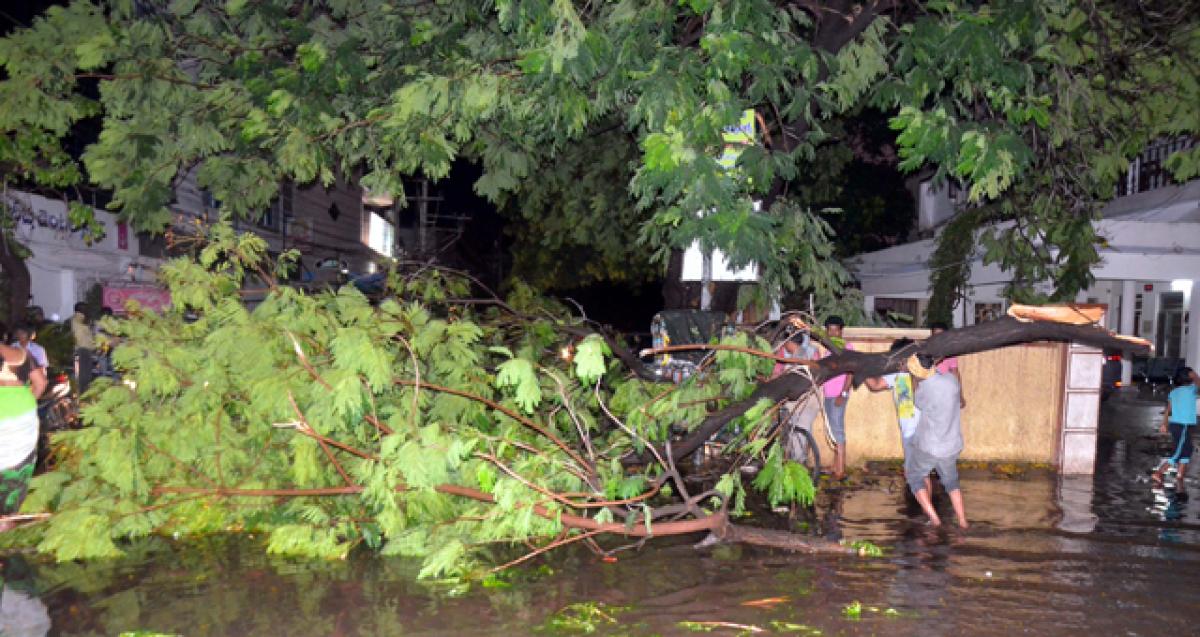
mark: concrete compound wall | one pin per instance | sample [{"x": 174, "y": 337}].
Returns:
[{"x": 1014, "y": 404}]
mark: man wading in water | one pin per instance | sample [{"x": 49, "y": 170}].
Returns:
[{"x": 937, "y": 441}]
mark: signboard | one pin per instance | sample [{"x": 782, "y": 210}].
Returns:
[
  {"x": 737, "y": 138},
  {"x": 150, "y": 298}
]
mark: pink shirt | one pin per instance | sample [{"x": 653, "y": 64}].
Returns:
[
  {"x": 834, "y": 386},
  {"x": 948, "y": 365}
]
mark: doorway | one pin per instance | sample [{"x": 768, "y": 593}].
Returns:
[{"x": 1169, "y": 336}]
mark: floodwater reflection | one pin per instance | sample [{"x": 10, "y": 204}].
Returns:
[{"x": 1046, "y": 555}]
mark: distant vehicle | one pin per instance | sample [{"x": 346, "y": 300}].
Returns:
[
  {"x": 684, "y": 327},
  {"x": 58, "y": 410},
  {"x": 1110, "y": 375},
  {"x": 1158, "y": 373}
]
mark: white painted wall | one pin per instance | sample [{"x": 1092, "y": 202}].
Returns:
[
  {"x": 1152, "y": 238},
  {"x": 934, "y": 206},
  {"x": 63, "y": 267}
]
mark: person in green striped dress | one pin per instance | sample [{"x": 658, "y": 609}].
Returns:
[{"x": 21, "y": 382}]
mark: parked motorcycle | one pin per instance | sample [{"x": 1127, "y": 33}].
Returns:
[{"x": 58, "y": 410}]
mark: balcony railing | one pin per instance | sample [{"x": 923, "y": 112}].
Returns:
[{"x": 1148, "y": 172}]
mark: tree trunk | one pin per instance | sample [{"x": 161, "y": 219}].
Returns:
[
  {"x": 16, "y": 275},
  {"x": 675, "y": 291},
  {"x": 785, "y": 540},
  {"x": 968, "y": 340}
]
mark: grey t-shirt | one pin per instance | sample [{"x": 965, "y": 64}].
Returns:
[{"x": 939, "y": 432}]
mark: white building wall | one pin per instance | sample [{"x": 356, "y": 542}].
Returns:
[
  {"x": 934, "y": 206},
  {"x": 1152, "y": 238},
  {"x": 63, "y": 266}
]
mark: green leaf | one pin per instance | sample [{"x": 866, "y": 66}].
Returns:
[
  {"x": 589, "y": 359},
  {"x": 518, "y": 376},
  {"x": 312, "y": 56}
]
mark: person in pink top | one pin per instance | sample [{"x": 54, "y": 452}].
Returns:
[
  {"x": 948, "y": 365},
  {"x": 837, "y": 394}
]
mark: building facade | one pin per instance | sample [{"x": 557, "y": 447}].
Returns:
[
  {"x": 329, "y": 227},
  {"x": 1150, "y": 259},
  {"x": 64, "y": 266}
]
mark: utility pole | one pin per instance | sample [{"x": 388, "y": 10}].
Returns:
[{"x": 422, "y": 217}]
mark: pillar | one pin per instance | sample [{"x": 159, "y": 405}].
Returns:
[
  {"x": 1081, "y": 410},
  {"x": 1125, "y": 326},
  {"x": 1191, "y": 346}
]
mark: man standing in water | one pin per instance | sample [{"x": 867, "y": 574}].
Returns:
[
  {"x": 949, "y": 365},
  {"x": 937, "y": 441}
]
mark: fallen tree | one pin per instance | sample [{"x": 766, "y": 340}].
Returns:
[{"x": 417, "y": 425}]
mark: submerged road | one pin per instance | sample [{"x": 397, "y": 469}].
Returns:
[{"x": 1046, "y": 555}]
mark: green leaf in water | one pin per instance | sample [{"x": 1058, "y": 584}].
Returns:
[
  {"x": 866, "y": 548},
  {"x": 583, "y": 617}
]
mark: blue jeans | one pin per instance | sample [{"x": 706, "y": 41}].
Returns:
[{"x": 837, "y": 420}]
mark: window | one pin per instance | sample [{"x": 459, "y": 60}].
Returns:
[
  {"x": 280, "y": 209},
  {"x": 1137, "y": 315},
  {"x": 381, "y": 235},
  {"x": 210, "y": 201},
  {"x": 898, "y": 311},
  {"x": 1148, "y": 170},
  {"x": 985, "y": 312},
  {"x": 1171, "y": 317}
]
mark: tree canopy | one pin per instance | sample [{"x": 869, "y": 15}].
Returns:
[
  {"x": 426, "y": 423},
  {"x": 1035, "y": 106}
]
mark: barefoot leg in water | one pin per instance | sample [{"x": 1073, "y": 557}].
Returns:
[
  {"x": 927, "y": 505},
  {"x": 956, "y": 500}
]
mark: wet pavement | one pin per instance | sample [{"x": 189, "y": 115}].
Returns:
[{"x": 1046, "y": 555}]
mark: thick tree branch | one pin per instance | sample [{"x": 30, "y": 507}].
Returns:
[
  {"x": 976, "y": 338},
  {"x": 717, "y": 523}
]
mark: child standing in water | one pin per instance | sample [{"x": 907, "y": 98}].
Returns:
[
  {"x": 837, "y": 392},
  {"x": 1180, "y": 420}
]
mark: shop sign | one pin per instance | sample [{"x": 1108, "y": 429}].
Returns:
[{"x": 150, "y": 298}]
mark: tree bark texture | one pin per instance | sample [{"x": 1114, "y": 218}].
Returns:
[{"x": 16, "y": 275}]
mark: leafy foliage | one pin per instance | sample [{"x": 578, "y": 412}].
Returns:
[
  {"x": 1037, "y": 109},
  {"x": 784, "y": 481},
  {"x": 599, "y": 125},
  {"x": 413, "y": 426},
  {"x": 951, "y": 267}
]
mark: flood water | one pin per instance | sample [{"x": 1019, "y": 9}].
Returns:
[{"x": 1046, "y": 556}]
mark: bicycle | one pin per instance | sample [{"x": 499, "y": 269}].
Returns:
[{"x": 799, "y": 444}]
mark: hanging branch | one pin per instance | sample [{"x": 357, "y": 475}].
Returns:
[
  {"x": 779, "y": 358},
  {"x": 308, "y": 430}
]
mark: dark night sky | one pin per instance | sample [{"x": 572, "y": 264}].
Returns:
[{"x": 21, "y": 12}]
